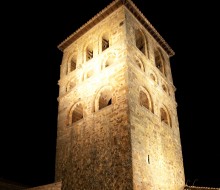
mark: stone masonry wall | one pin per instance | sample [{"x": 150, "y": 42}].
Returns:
[
  {"x": 156, "y": 148},
  {"x": 95, "y": 152},
  {"x": 124, "y": 145}
]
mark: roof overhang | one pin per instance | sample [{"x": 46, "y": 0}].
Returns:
[{"x": 106, "y": 12}]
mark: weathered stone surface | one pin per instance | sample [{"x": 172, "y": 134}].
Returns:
[{"x": 133, "y": 142}]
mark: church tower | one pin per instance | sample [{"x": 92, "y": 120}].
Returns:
[{"x": 117, "y": 117}]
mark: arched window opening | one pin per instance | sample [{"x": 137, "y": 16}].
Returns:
[
  {"x": 145, "y": 99},
  {"x": 72, "y": 64},
  {"x": 110, "y": 102},
  {"x": 139, "y": 64},
  {"x": 105, "y": 42},
  {"x": 77, "y": 113},
  {"x": 103, "y": 98},
  {"x": 153, "y": 77},
  {"x": 89, "y": 74},
  {"x": 165, "y": 88},
  {"x": 89, "y": 53},
  {"x": 159, "y": 61},
  {"x": 165, "y": 117},
  {"x": 109, "y": 61},
  {"x": 70, "y": 85},
  {"x": 140, "y": 41}
]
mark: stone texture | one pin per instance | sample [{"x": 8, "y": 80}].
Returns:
[
  {"x": 124, "y": 145},
  {"x": 95, "y": 152},
  {"x": 156, "y": 147}
]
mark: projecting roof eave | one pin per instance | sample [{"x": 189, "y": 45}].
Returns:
[{"x": 107, "y": 11}]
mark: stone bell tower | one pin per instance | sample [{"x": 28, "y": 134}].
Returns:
[{"x": 117, "y": 119}]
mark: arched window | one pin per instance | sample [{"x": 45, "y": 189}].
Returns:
[
  {"x": 141, "y": 41},
  {"x": 89, "y": 52},
  {"x": 159, "y": 60},
  {"x": 165, "y": 116},
  {"x": 71, "y": 63},
  {"x": 70, "y": 85},
  {"x": 76, "y": 113},
  {"x": 103, "y": 98},
  {"x": 153, "y": 77},
  {"x": 109, "y": 61},
  {"x": 104, "y": 101},
  {"x": 165, "y": 88},
  {"x": 145, "y": 99},
  {"x": 139, "y": 63},
  {"x": 89, "y": 74},
  {"x": 105, "y": 42}
]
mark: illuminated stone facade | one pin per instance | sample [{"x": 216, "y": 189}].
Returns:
[{"x": 117, "y": 119}]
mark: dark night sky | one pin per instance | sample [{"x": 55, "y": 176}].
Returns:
[{"x": 30, "y": 72}]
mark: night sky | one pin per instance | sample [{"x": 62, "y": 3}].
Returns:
[{"x": 30, "y": 71}]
